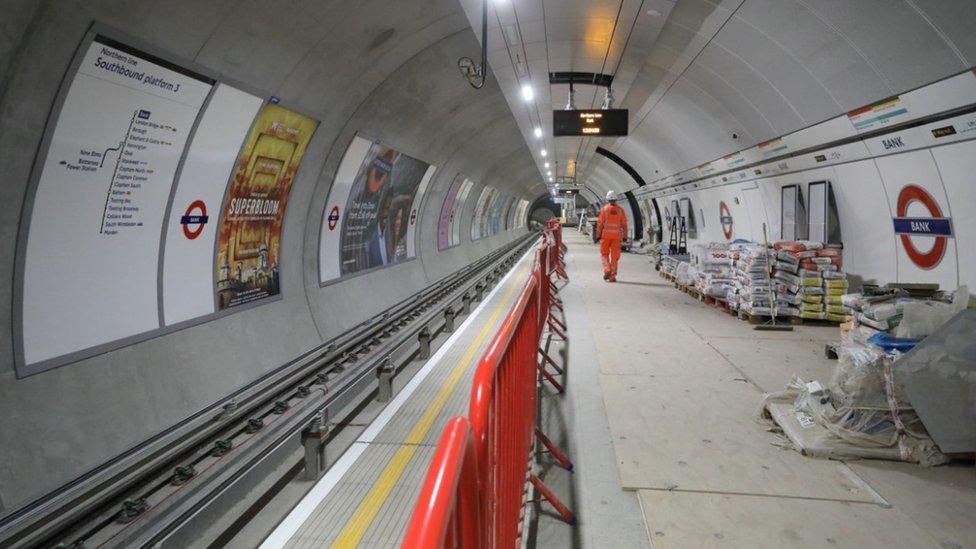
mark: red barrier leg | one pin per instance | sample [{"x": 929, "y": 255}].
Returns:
[
  {"x": 547, "y": 494},
  {"x": 548, "y": 377},
  {"x": 547, "y": 358},
  {"x": 554, "y": 450},
  {"x": 560, "y": 323},
  {"x": 554, "y": 328}
]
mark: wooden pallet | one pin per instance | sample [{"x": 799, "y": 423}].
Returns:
[
  {"x": 716, "y": 302},
  {"x": 690, "y": 290},
  {"x": 818, "y": 322},
  {"x": 762, "y": 319}
]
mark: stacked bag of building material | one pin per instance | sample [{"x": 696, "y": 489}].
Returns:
[
  {"x": 809, "y": 281},
  {"x": 750, "y": 290},
  {"x": 714, "y": 264},
  {"x": 685, "y": 274},
  {"x": 669, "y": 265}
]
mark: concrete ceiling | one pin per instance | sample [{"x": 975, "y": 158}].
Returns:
[{"x": 695, "y": 73}]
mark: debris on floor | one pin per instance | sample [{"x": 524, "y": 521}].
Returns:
[{"x": 865, "y": 411}]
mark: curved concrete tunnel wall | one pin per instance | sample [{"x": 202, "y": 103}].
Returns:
[
  {"x": 760, "y": 69},
  {"x": 398, "y": 85}
]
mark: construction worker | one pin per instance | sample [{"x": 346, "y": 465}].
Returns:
[{"x": 611, "y": 229}]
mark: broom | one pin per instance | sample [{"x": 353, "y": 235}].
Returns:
[{"x": 771, "y": 325}]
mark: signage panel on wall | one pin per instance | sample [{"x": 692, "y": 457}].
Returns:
[
  {"x": 446, "y": 219},
  {"x": 249, "y": 245},
  {"x": 90, "y": 272},
  {"x": 921, "y": 224},
  {"x": 378, "y": 191},
  {"x": 124, "y": 209},
  {"x": 590, "y": 123},
  {"x": 191, "y": 231},
  {"x": 479, "y": 220},
  {"x": 458, "y": 211},
  {"x": 879, "y": 114}
]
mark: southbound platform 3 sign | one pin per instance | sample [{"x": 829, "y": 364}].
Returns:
[{"x": 933, "y": 225}]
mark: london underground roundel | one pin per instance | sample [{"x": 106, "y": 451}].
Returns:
[
  {"x": 194, "y": 219},
  {"x": 333, "y": 218},
  {"x": 725, "y": 218},
  {"x": 933, "y": 225}
]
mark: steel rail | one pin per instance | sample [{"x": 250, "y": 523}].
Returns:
[{"x": 257, "y": 420}]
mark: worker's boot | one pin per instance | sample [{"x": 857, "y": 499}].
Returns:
[
  {"x": 606, "y": 275},
  {"x": 613, "y": 278}
]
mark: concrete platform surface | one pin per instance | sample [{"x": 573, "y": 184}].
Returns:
[{"x": 681, "y": 384}]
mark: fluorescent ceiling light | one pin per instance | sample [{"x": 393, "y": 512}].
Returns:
[
  {"x": 537, "y": 131},
  {"x": 546, "y": 164},
  {"x": 543, "y": 152},
  {"x": 527, "y": 92},
  {"x": 550, "y": 180}
]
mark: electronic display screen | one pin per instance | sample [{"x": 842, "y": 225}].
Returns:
[{"x": 590, "y": 123}]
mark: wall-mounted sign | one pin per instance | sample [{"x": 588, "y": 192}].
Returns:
[
  {"x": 91, "y": 261},
  {"x": 590, "y": 123},
  {"x": 933, "y": 225},
  {"x": 879, "y": 114},
  {"x": 725, "y": 219},
  {"x": 194, "y": 219}
]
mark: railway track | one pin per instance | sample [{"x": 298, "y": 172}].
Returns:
[{"x": 166, "y": 490}]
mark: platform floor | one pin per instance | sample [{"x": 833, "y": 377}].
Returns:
[
  {"x": 681, "y": 385},
  {"x": 367, "y": 497}
]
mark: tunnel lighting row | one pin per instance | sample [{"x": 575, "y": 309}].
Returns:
[{"x": 528, "y": 94}]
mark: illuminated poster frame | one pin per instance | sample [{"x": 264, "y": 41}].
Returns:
[{"x": 196, "y": 220}]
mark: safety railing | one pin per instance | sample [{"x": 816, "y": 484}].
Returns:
[
  {"x": 460, "y": 508},
  {"x": 450, "y": 508}
]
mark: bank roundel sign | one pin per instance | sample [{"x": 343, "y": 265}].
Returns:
[
  {"x": 933, "y": 225},
  {"x": 725, "y": 219},
  {"x": 194, "y": 219},
  {"x": 333, "y": 218}
]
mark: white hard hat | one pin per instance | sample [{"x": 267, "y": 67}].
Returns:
[{"x": 611, "y": 196}]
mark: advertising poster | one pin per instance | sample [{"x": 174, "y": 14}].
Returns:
[
  {"x": 456, "y": 219},
  {"x": 381, "y": 210},
  {"x": 497, "y": 210},
  {"x": 508, "y": 214},
  {"x": 479, "y": 223},
  {"x": 90, "y": 272},
  {"x": 249, "y": 239},
  {"x": 446, "y": 219}
]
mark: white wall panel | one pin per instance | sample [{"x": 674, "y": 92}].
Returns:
[
  {"x": 957, "y": 166},
  {"x": 865, "y": 222},
  {"x": 918, "y": 168},
  {"x": 188, "y": 276}
]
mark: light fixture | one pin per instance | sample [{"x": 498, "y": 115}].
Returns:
[
  {"x": 550, "y": 180},
  {"x": 549, "y": 174},
  {"x": 543, "y": 152},
  {"x": 546, "y": 164},
  {"x": 538, "y": 132},
  {"x": 527, "y": 92}
]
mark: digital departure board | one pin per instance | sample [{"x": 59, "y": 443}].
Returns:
[{"x": 590, "y": 123}]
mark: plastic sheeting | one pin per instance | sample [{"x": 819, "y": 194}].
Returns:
[{"x": 939, "y": 376}]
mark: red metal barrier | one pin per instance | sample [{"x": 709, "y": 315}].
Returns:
[
  {"x": 453, "y": 511},
  {"x": 449, "y": 507}
]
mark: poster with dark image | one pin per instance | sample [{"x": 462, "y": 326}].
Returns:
[{"x": 378, "y": 211}]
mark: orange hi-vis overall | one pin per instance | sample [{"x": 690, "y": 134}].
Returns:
[{"x": 611, "y": 228}]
